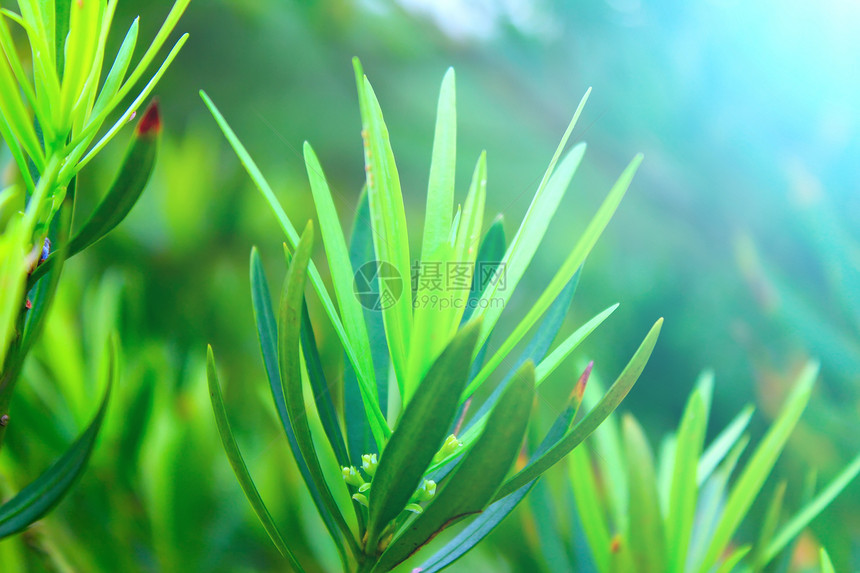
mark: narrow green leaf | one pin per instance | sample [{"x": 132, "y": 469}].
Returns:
[
  {"x": 21, "y": 77},
  {"x": 359, "y": 438},
  {"x": 611, "y": 461},
  {"x": 723, "y": 443},
  {"x": 118, "y": 69},
  {"x": 381, "y": 430},
  {"x": 238, "y": 463},
  {"x": 784, "y": 557},
  {"x": 388, "y": 221},
  {"x": 124, "y": 192},
  {"x": 490, "y": 255},
  {"x": 439, "y": 304},
  {"x": 267, "y": 331},
  {"x": 593, "y": 419},
  {"x": 80, "y": 48},
  {"x": 127, "y": 187},
  {"x": 468, "y": 235},
  {"x": 552, "y": 539},
  {"x": 541, "y": 210},
  {"x": 342, "y": 275},
  {"x": 826, "y": 563},
  {"x": 768, "y": 526},
  {"x": 712, "y": 501},
  {"x": 755, "y": 473},
  {"x": 321, "y": 392},
  {"x": 574, "y": 260},
  {"x": 62, "y": 19},
  {"x": 491, "y": 517},
  {"x": 420, "y": 432},
  {"x": 473, "y": 483},
  {"x": 16, "y": 117},
  {"x": 536, "y": 350},
  {"x": 97, "y": 119},
  {"x": 548, "y": 365},
  {"x": 289, "y": 366},
  {"x": 77, "y": 162},
  {"x": 647, "y": 537},
  {"x": 531, "y": 232},
  {"x": 811, "y": 510},
  {"x": 589, "y": 507},
  {"x": 46, "y": 491},
  {"x": 85, "y": 101},
  {"x": 440, "y": 189},
  {"x": 733, "y": 559},
  {"x": 684, "y": 491}
]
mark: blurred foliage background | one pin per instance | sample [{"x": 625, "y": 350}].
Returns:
[{"x": 742, "y": 228}]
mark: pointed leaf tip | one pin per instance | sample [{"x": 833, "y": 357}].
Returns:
[
  {"x": 579, "y": 389},
  {"x": 151, "y": 120}
]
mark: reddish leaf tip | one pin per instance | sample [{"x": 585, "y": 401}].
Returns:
[
  {"x": 151, "y": 120},
  {"x": 579, "y": 389}
]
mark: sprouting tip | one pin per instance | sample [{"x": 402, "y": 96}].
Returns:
[{"x": 151, "y": 120}]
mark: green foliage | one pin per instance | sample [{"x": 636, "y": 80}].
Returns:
[
  {"x": 685, "y": 509},
  {"x": 49, "y": 121},
  {"x": 435, "y": 353}
]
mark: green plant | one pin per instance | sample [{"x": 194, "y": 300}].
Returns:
[
  {"x": 680, "y": 511},
  {"x": 50, "y": 121},
  {"x": 413, "y": 481}
]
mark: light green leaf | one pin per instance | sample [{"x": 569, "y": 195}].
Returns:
[
  {"x": 548, "y": 365},
  {"x": 435, "y": 323},
  {"x": 588, "y": 504},
  {"x": 811, "y": 510},
  {"x": 118, "y": 69},
  {"x": 723, "y": 443},
  {"x": 574, "y": 260},
  {"x": 684, "y": 490},
  {"x": 755, "y": 473},
  {"x": 646, "y": 534},
  {"x": 733, "y": 559},
  {"x": 440, "y": 189},
  {"x": 342, "y": 275},
  {"x": 524, "y": 245},
  {"x": 388, "y": 220},
  {"x": 293, "y": 239},
  {"x": 826, "y": 563}
]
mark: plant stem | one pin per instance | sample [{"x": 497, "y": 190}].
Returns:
[{"x": 11, "y": 368}]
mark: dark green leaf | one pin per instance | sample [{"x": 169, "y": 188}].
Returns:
[
  {"x": 539, "y": 345},
  {"x": 268, "y": 334},
  {"x": 322, "y": 394},
  {"x": 491, "y": 517},
  {"x": 238, "y": 463},
  {"x": 289, "y": 365},
  {"x": 359, "y": 438},
  {"x": 476, "y": 479},
  {"x": 490, "y": 255},
  {"x": 40, "y": 496},
  {"x": 420, "y": 432},
  {"x": 123, "y": 193}
]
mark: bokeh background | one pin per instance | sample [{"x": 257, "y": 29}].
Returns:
[{"x": 742, "y": 229}]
